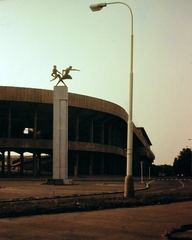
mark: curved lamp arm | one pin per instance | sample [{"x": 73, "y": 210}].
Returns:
[{"x": 99, "y": 6}]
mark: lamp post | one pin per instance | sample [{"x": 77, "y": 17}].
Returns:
[
  {"x": 191, "y": 156},
  {"x": 141, "y": 171},
  {"x": 129, "y": 185}
]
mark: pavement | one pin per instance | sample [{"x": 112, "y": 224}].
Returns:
[
  {"x": 34, "y": 187},
  {"x": 151, "y": 222}
]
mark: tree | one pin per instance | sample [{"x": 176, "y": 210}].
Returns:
[
  {"x": 182, "y": 163},
  {"x": 162, "y": 170}
]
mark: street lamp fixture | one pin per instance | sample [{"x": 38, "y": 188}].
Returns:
[
  {"x": 129, "y": 184},
  {"x": 97, "y": 7}
]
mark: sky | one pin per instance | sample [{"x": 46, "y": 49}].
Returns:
[{"x": 37, "y": 34}]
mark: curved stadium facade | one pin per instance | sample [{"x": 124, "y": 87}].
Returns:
[{"x": 97, "y": 134}]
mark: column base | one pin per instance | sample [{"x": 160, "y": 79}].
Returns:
[
  {"x": 129, "y": 187},
  {"x": 57, "y": 182},
  {"x": 68, "y": 181}
]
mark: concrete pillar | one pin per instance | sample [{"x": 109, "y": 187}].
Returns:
[
  {"x": 91, "y": 165},
  {"x": 60, "y": 134},
  {"x": 109, "y": 134},
  {"x": 77, "y": 129},
  {"x": 114, "y": 132},
  {"x": 21, "y": 165},
  {"x": 8, "y": 163},
  {"x": 102, "y": 165},
  {"x": 34, "y": 164},
  {"x": 149, "y": 172},
  {"x": 76, "y": 165},
  {"x": 39, "y": 163},
  {"x": 3, "y": 164},
  {"x": 9, "y": 122},
  {"x": 91, "y": 131},
  {"x": 110, "y": 166},
  {"x": 141, "y": 171},
  {"x": 102, "y": 133},
  {"x": 35, "y": 124}
]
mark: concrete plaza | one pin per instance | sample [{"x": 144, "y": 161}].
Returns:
[{"x": 34, "y": 187}]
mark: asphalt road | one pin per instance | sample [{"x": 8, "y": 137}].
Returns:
[
  {"x": 161, "y": 185},
  {"x": 142, "y": 223}
]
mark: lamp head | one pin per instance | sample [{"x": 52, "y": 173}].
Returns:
[{"x": 97, "y": 7}]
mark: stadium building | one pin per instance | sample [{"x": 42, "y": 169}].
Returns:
[{"x": 97, "y": 134}]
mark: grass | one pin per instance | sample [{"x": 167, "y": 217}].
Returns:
[{"x": 32, "y": 206}]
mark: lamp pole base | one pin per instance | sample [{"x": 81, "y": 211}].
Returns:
[{"x": 129, "y": 187}]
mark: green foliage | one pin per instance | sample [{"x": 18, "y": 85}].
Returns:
[
  {"x": 182, "y": 163},
  {"x": 162, "y": 170}
]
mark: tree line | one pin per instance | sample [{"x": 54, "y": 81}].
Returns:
[{"x": 182, "y": 165}]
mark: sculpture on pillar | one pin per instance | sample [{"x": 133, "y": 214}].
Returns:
[{"x": 62, "y": 76}]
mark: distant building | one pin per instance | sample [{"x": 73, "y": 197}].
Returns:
[{"x": 97, "y": 134}]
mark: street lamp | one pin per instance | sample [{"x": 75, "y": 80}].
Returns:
[
  {"x": 191, "y": 155},
  {"x": 129, "y": 185}
]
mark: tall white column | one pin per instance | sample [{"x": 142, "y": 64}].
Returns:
[{"x": 60, "y": 133}]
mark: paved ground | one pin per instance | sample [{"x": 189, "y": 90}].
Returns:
[
  {"x": 23, "y": 188},
  {"x": 131, "y": 223}
]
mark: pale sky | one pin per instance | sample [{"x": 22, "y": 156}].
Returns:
[{"x": 37, "y": 34}]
